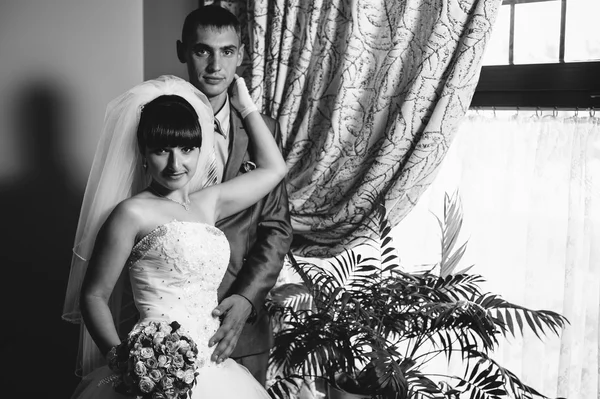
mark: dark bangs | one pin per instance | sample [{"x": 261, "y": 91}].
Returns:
[{"x": 168, "y": 121}]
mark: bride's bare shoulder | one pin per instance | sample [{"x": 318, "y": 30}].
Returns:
[
  {"x": 136, "y": 211},
  {"x": 133, "y": 207},
  {"x": 127, "y": 214}
]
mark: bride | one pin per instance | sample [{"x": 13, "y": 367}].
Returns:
[{"x": 145, "y": 210}]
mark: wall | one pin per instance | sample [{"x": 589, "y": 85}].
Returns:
[
  {"x": 163, "y": 21},
  {"x": 60, "y": 64}
]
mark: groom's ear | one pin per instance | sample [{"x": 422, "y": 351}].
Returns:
[
  {"x": 181, "y": 52},
  {"x": 240, "y": 55}
]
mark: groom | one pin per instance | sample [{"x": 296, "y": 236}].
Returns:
[{"x": 259, "y": 236}]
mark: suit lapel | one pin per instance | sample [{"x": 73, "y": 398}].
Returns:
[{"x": 238, "y": 146}]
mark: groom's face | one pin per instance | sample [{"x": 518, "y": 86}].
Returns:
[{"x": 212, "y": 57}]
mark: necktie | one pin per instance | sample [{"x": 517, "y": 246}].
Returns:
[{"x": 212, "y": 177}]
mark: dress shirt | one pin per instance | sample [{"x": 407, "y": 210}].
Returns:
[{"x": 221, "y": 143}]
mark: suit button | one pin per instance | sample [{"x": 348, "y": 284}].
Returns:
[{"x": 244, "y": 260}]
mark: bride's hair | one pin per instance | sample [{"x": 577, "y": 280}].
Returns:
[{"x": 168, "y": 121}]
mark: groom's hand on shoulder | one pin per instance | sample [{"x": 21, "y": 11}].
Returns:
[{"x": 234, "y": 312}]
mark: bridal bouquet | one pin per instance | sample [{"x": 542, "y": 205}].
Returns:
[{"x": 156, "y": 361}]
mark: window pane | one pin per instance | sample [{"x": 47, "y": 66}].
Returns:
[
  {"x": 496, "y": 51},
  {"x": 582, "y": 38},
  {"x": 537, "y": 32}
]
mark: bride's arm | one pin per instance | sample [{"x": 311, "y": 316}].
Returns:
[
  {"x": 247, "y": 189},
  {"x": 111, "y": 250}
]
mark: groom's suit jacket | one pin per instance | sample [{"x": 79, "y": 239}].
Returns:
[{"x": 259, "y": 237}]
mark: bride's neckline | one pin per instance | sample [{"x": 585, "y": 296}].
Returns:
[{"x": 170, "y": 222}]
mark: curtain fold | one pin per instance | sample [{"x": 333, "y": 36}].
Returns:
[
  {"x": 530, "y": 189},
  {"x": 368, "y": 93}
]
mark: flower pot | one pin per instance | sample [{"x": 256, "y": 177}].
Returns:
[{"x": 335, "y": 393}]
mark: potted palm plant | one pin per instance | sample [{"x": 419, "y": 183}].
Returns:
[{"x": 367, "y": 328}]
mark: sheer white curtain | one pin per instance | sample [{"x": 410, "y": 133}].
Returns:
[{"x": 530, "y": 188}]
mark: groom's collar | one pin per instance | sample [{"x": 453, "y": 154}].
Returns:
[{"x": 222, "y": 118}]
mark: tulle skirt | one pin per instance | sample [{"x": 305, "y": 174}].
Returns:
[{"x": 231, "y": 381}]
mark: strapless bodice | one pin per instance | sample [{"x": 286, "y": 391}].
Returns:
[{"x": 175, "y": 271}]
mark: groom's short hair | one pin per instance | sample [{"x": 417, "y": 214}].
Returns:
[{"x": 211, "y": 16}]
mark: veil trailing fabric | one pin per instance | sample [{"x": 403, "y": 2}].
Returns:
[{"x": 117, "y": 174}]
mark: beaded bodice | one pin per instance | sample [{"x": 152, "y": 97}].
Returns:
[{"x": 175, "y": 271}]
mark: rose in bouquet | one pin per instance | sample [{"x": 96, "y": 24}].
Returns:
[{"x": 156, "y": 361}]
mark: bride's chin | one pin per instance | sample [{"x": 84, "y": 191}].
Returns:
[{"x": 172, "y": 183}]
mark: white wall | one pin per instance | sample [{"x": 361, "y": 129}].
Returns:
[
  {"x": 80, "y": 54},
  {"x": 61, "y": 62},
  {"x": 163, "y": 21}
]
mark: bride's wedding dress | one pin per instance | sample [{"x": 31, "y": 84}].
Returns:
[{"x": 175, "y": 271}]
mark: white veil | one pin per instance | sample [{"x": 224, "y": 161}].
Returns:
[{"x": 117, "y": 174}]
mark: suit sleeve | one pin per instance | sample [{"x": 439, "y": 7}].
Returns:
[{"x": 264, "y": 259}]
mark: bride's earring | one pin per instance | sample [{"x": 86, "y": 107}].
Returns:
[{"x": 145, "y": 164}]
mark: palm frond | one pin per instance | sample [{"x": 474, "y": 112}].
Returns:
[
  {"x": 350, "y": 267},
  {"x": 450, "y": 231},
  {"x": 291, "y": 295},
  {"x": 388, "y": 253},
  {"x": 539, "y": 321},
  {"x": 488, "y": 379},
  {"x": 286, "y": 387},
  {"x": 367, "y": 319}
]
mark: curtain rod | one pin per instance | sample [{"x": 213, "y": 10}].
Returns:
[
  {"x": 510, "y": 108},
  {"x": 554, "y": 110}
]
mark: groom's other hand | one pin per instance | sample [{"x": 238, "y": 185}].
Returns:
[{"x": 234, "y": 311}]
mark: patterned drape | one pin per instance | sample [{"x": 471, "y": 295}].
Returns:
[{"x": 368, "y": 93}]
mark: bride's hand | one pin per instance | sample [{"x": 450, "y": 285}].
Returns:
[{"x": 240, "y": 97}]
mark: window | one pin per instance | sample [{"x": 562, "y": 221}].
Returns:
[{"x": 542, "y": 53}]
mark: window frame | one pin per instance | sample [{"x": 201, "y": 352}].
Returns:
[
  {"x": 560, "y": 85},
  {"x": 549, "y": 85}
]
